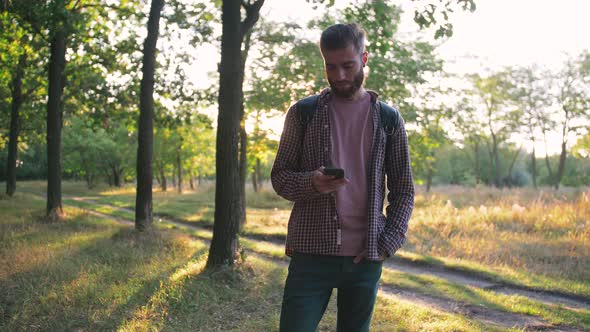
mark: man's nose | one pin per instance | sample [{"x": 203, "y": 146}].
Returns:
[{"x": 340, "y": 74}]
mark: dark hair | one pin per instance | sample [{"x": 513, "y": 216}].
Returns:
[{"x": 339, "y": 36}]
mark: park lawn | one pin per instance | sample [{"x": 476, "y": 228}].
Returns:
[
  {"x": 92, "y": 273},
  {"x": 539, "y": 239}
]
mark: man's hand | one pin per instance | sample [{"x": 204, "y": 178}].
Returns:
[
  {"x": 363, "y": 255},
  {"x": 326, "y": 183}
]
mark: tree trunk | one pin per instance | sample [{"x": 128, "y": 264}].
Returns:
[
  {"x": 243, "y": 172},
  {"x": 173, "y": 176},
  {"x": 534, "y": 167},
  {"x": 17, "y": 100},
  {"x": 224, "y": 245},
  {"x": 561, "y": 167},
  {"x": 191, "y": 180},
  {"x": 179, "y": 168},
  {"x": 117, "y": 177},
  {"x": 477, "y": 169},
  {"x": 163, "y": 181},
  {"x": 496, "y": 160},
  {"x": 254, "y": 181},
  {"x": 258, "y": 171},
  {"x": 512, "y": 162},
  {"x": 143, "y": 199},
  {"x": 57, "y": 62},
  {"x": 429, "y": 178}
]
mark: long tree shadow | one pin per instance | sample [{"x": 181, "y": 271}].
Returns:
[{"x": 108, "y": 275}]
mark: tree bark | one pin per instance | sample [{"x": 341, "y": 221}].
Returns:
[
  {"x": 17, "y": 100},
  {"x": 477, "y": 169},
  {"x": 143, "y": 200},
  {"x": 243, "y": 172},
  {"x": 179, "y": 168},
  {"x": 163, "y": 184},
  {"x": 429, "y": 178},
  {"x": 224, "y": 245},
  {"x": 496, "y": 160},
  {"x": 534, "y": 167},
  {"x": 561, "y": 167},
  {"x": 57, "y": 62}
]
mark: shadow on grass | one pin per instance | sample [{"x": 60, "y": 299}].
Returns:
[
  {"x": 90, "y": 285},
  {"x": 243, "y": 298}
]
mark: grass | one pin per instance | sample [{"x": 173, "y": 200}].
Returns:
[
  {"x": 535, "y": 238},
  {"x": 92, "y": 273}
]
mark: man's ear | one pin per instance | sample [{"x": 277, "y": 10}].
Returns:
[{"x": 365, "y": 57}]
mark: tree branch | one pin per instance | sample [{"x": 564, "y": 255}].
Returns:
[{"x": 252, "y": 16}]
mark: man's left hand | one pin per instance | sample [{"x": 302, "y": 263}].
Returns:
[{"x": 363, "y": 255}]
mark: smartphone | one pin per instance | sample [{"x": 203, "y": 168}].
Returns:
[{"x": 338, "y": 173}]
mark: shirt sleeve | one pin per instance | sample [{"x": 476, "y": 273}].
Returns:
[
  {"x": 400, "y": 184},
  {"x": 287, "y": 179}
]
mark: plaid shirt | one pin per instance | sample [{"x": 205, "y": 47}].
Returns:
[{"x": 314, "y": 227}]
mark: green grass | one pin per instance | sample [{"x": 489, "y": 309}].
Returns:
[
  {"x": 538, "y": 239},
  {"x": 92, "y": 273}
]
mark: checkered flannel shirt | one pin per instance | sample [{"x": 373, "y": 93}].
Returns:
[{"x": 314, "y": 226}]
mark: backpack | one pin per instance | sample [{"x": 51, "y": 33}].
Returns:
[{"x": 390, "y": 117}]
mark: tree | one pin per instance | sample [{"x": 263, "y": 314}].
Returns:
[
  {"x": 469, "y": 124},
  {"x": 530, "y": 96},
  {"x": 492, "y": 91},
  {"x": 20, "y": 66},
  {"x": 224, "y": 245},
  {"x": 573, "y": 97},
  {"x": 143, "y": 200}
]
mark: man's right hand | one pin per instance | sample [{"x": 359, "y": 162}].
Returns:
[{"x": 326, "y": 183}]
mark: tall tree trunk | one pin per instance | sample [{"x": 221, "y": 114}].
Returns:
[
  {"x": 143, "y": 198},
  {"x": 179, "y": 168},
  {"x": 496, "y": 160},
  {"x": 243, "y": 172},
  {"x": 477, "y": 168},
  {"x": 254, "y": 181},
  {"x": 163, "y": 177},
  {"x": 258, "y": 171},
  {"x": 117, "y": 176},
  {"x": 534, "y": 167},
  {"x": 57, "y": 62},
  {"x": 17, "y": 100},
  {"x": 513, "y": 161},
  {"x": 561, "y": 167},
  {"x": 429, "y": 178},
  {"x": 192, "y": 181},
  {"x": 224, "y": 245}
]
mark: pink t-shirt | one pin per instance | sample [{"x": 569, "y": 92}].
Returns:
[{"x": 351, "y": 125}]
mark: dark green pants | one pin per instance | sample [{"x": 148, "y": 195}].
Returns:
[{"x": 309, "y": 285}]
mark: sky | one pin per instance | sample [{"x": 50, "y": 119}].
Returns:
[{"x": 499, "y": 33}]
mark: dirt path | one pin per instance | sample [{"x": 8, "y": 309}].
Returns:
[{"x": 480, "y": 313}]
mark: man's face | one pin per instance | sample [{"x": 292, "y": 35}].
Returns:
[{"x": 344, "y": 70}]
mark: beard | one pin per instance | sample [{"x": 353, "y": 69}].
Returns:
[{"x": 351, "y": 89}]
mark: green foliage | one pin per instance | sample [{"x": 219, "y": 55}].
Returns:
[
  {"x": 433, "y": 12},
  {"x": 92, "y": 152}
]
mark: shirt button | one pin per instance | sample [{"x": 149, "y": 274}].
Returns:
[
  {"x": 335, "y": 217},
  {"x": 326, "y": 149},
  {"x": 326, "y": 126}
]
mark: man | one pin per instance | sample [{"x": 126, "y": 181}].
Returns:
[{"x": 337, "y": 234}]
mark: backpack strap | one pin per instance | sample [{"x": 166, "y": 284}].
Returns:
[
  {"x": 306, "y": 108},
  {"x": 390, "y": 118}
]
